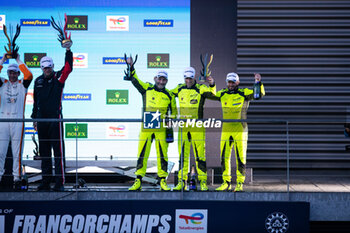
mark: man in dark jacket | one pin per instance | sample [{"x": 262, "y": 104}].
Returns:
[{"x": 48, "y": 89}]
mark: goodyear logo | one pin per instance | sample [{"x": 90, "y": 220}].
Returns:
[
  {"x": 158, "y": 23},
  {"x": 29, "y": 130},
  {"x": 35, "y": 22},
  {"x": 113, "y": 60},
  {"x": 76, "y": 96}
]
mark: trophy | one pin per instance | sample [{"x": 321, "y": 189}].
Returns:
[
  {"x": 205, "y": 72},
  {"x": 36, "y": 150},
  {"x": 129, "y": 67},
  {"x": 63, "y": 38},
  {"x": 12, "y": 49}
]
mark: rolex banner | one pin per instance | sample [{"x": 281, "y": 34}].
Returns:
[{"x": 154, "y": 216}]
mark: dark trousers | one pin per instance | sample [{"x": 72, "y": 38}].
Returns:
[{"x": 51, "y": 137}]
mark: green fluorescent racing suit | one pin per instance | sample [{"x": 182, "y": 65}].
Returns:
[
  {"x": 153, "y": 99},
  {"x": 234, "y": 106},
  {"x": 191, "y": 102}
]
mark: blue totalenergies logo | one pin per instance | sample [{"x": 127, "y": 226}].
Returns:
[{"x": 194, "y": 218}]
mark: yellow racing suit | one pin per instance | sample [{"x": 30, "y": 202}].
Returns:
[
  {"x": 191, "y": 102},
  {"x": 234, "y": 106},
  {"x": 153, "y": 99}
]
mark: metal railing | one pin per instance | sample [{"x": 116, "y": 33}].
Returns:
[{"x": 77, "y": 140}]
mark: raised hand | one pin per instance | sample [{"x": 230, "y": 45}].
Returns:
[
  {"x": 210, "y": 80},
  {"x": 257, "y": 77}
]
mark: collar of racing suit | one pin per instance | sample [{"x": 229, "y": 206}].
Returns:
[
  {"x": 233, "y": 91},
  {"x": 193, "y": 86},
  {"x": 51, "y": 76},
  {"x": 158, "y": 89}
]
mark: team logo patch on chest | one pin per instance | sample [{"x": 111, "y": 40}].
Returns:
[
  {"x": 194, "y": 101},
  {"x": 194, "y": 95},
  {"x": 12, "y": 100}
]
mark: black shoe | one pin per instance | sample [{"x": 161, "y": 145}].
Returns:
[
  {"x": 17, "y": 185},
  {"x": 58, "y": 188},
  {"x": 43, "y": 187}
]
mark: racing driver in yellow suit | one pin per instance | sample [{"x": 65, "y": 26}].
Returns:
[
  {"x": 191, "y": 97},
  {"x": 156, "y": 98},
  {"x": 235, "y": 103}
]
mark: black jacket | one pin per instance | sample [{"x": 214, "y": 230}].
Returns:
[{"x": 48, "y": 91}]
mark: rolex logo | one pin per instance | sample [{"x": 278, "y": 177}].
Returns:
[
  {"x": 76, "y": 130},
  {"x": 77, "y": 22},
  {"x": 117, "y": 97},
  {"x": 33, "y": 59},
  {"x": 158, "y": 60}
]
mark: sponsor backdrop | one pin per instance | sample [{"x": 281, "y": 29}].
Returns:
[
  {"x": 154, "y": 216},
  {"x": 102, "y": 31}
]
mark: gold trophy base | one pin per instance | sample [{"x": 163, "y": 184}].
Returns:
[
  {"x": 9, "y": 56},
  {"x": 202, "y": 79},
  {"x": 66, "y": 43}
]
